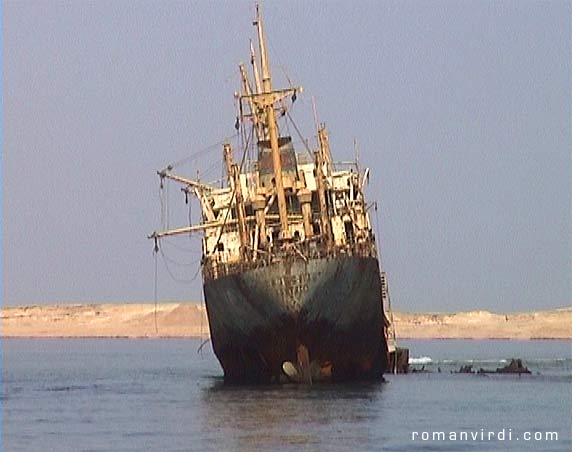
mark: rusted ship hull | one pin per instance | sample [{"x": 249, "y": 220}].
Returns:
[{"x": 330, "y": 306}]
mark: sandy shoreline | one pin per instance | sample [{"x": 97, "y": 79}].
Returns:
[{"x": 189, "y": 320}]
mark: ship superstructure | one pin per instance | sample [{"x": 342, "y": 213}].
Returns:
[{"x": 290, "y": 266}]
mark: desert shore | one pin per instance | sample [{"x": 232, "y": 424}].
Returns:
[{"x": 189, "y": 320}]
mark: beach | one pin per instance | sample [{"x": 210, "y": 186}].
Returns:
[{"x": 140, "y": 320}]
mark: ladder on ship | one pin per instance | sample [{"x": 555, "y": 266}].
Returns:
[
  {"x": 398, "y": 357},
  {"x": 388, "y": 314}
]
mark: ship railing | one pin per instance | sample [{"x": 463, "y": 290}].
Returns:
[{"x": 214, "y": 268}]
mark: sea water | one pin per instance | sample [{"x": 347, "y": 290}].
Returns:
[{"x": 164, "y": 395}]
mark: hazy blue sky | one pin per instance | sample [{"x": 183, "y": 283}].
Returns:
[{"x": 461, "y": 109}]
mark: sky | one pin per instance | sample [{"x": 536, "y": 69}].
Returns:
[{"x": 461, "y": 110}]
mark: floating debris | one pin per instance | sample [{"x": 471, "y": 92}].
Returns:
[
  {"x": 414, "y": 370},
  {"x": 468, "y": 369},
  {"x": 514, "y": 367}
]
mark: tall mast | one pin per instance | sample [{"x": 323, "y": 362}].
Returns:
[
  {"x": 272, "y": 132},
  {"x": 257, "y": 84}
]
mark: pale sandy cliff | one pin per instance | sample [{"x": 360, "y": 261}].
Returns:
[
  {"x": 106, "y": 320},
  {"x": 189, "y": 320},
  {"x": 555, "y": 324}
]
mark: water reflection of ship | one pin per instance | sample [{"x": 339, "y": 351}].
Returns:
[
  {"x": 283, "y": 417},
  {"x": 290, "y": 265}
]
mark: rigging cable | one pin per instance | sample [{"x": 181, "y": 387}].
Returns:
[
  {"x": 179, "y": 280},
  {"x": 168, "y": 196},
  {"x": 201, "y": 312},
  {"x": 179, "y": 264},
  {"x": 299, "y": 134},
  {"x": 377, "y": 237},
  {"x": 179, "y": 247},
  {"x": 162, "y": 200},
  {"x": 189, "y": 202},
  {"x": 155, "y": 289},
  {"x": 207, "y": 340},
  {"x": 210, "y": 169},
  {"x": 280, "y": 65},
  {"x": 283, "y": 69},
  {"x": 199, "y": 152}
]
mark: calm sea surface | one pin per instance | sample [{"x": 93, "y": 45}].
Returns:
[{"x": 161, "y": 395}]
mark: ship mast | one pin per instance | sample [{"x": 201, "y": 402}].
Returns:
[
  {"x": 255, "y": 68},
  {"x": 271, "y": 126}
]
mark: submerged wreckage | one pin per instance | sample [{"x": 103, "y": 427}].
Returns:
[{"x": 291, "y": 275}]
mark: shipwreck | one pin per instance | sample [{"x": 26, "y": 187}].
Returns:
[{"x": 291, "y": 275}]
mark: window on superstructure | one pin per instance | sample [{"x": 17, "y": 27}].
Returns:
[
  {"x": 293, "y": 204},
  {"x": 349, "y": 228}
]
